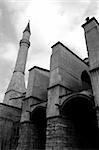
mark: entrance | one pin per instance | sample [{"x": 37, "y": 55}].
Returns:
[{"x": 81, "y": 131}]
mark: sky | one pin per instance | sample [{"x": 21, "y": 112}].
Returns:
[{"x": 50, "y": 21}]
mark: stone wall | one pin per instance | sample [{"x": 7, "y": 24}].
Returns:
[
  {"x": 66, "y": 68},
  {"x": 60, "y": 134},
  {"x": 30, "y": 137},
  {"x": 9, "y": 127}
]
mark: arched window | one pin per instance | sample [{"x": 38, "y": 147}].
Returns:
[{"x": 86, "y": 82}]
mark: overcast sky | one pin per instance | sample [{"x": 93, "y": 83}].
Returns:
[{"x": 50, "y": 21}]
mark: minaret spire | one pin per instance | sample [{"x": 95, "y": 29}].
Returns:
[
  {"x": 27, "y": 27},
  {"x": 16, "y": 88}
]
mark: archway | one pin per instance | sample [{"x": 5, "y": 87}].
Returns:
[
  {"x": 38, "y": 118},
  {"x": 81, "y": 131}
]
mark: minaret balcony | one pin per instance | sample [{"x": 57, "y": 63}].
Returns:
[{"x": 25, "y": 42}]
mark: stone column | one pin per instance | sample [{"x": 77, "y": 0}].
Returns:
[
  {"x": 28, "y": 136},
  {"x": 56, "y": 136}
]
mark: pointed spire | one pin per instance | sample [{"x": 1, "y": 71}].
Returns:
[{"x": 27, "y": 27}]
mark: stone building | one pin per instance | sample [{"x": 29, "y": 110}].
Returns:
[{"x": 59, "y": 110}]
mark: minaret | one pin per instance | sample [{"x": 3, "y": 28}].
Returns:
[
  {"x": 91, "y": 28},
  {"x": 16, "y": 88}
]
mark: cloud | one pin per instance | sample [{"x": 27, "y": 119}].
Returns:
[
  {"x": 9, "y": 52},
  {"x": 6, "y": 24},
  {"x": 92, "y": 8}
]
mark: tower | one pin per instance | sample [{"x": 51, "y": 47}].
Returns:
[
  {"x": 16, "y": 88},
  {"x": 91, "y": 28}
]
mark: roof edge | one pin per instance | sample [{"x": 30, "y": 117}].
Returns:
[
  {"x": 39, "y": 68},
  {"x": 68, "y": 50}
]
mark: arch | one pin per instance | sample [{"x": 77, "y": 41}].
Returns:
[
  {"x": 81, "y": 121},
  {"x": 39, "y": 110},
  {"x": 38, "y": 118},
  {"x": 86, "y": 81},
  {"x": 84, "y": 95}
]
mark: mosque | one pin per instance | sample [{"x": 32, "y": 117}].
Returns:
[{"x": 59, "y": 109}]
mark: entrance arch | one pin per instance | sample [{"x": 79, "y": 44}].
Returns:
[
  {"x": 80, "y": 117},
  {"x": 38, "y": 119}
]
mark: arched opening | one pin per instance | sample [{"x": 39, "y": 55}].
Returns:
[
  {"x": 82, "y": 130},
  {"x": 86, "y": 82},
  {"x": 38, "y": 118}
]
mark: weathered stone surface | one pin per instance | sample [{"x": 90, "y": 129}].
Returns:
[
  {"x": 9, "y": 126},
  {"x": 60, "y": 134},
  {"x": 29, "y": 137},
  {"x": 25, "y": 135},
  {"x": 10, "y": 112},
  {"x": 66, "y": 68},
  {"x": 38, "y": 83}
]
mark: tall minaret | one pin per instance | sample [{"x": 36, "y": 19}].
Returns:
[{"x": 16, "y": 88}]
